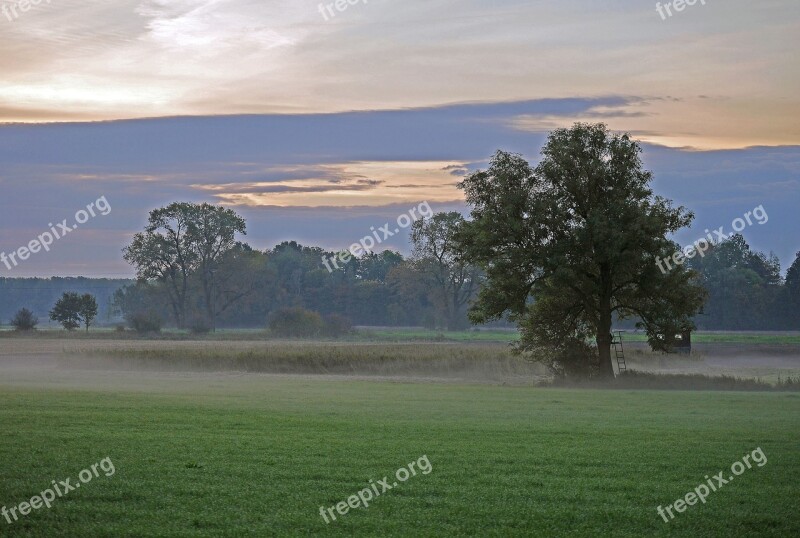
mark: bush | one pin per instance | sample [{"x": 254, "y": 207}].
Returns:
[
  {"x": 200, "y": 326},
  {"x": 24, "y": 320},
  {"x": 296, "y": 323},
  {"x": 571, "y": 358},
  {"x": 145, "y": 322},
  {"x": 336, "y": 326}
]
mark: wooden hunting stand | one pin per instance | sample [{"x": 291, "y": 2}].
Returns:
[{"x": 616, "y": 341}]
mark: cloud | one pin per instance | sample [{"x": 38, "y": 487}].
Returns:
[
  {"x": 325, "y": 178},
  {"x": 68, "y": 60}
]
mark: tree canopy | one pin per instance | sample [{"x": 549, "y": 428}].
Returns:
[
  {"x": 73, "y": 310},
  {"x": 439, "y": 258},
  {"x": 572, "y": 243},
  {"x": 183, "y": 246}
]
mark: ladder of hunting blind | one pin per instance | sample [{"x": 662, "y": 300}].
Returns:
[{"x": 616, "y": 341}]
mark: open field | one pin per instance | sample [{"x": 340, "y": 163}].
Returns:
[
  {"x": 473, "y": 362},
  {"x": 244, "y": 437},
  {"x": 460, "y": 361},
  {"x": 231, "y": 455},
  {"x": 390, "y": 334}
]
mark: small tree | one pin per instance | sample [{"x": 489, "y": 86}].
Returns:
[
  {"x": 66, "y": 311},
  {"x": 24, "y": 320},
  {"x": 88, "y": 309},
  {"x": 74, "y": 310}
]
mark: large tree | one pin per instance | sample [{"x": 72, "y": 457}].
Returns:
[
  {"x": 212, "y": 238},
  {"x": 744, "y": 287},
  {"x": 439, "y": 259},
  {"x": 163, "y": 253},
  {"x": 183, "y": 246},
  {"x": 572, "y": 243}
]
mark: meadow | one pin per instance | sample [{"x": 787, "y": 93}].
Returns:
[
  {"x": 222, "y": 455},
  {"x": 234, "y": 437},
  {"x": 400, "y": 335}
]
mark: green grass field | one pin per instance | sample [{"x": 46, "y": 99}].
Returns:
[
  {"x": 226, "y": 455},
  {"x": 390, "y": 334}
]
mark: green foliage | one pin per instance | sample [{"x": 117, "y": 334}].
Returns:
[
  {"x": 74, "y": 310},
  {"x": 24, "y": 320},
  {"x": 296, "y": 322},
  {"x": 790, "y": 295},
  {"x": 573, "y": 243},
  {"x": 793, "y": 276},
  {"x": 450, "y": 279},
  {"x": 87, "y": 310},
  {"x": 744, "y": 288},
  {"x": 565, "y": 355},
  {"x": 336, "y": 326},
  {"x": 145, "y": 322},
  {"x": 183, "y": 247},
  {"x": 376, "y": 266}
]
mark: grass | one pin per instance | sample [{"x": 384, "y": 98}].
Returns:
[
  {"x": 633, "y": 379},
  {"x": 400, "y": 335},
  {"x": 259, "y": 455},
  {"x": 410, "y": 335},
  {"x": 476, "y": 360},
  {"x": 791, "y": 338},
  {"x": 387, "y": 334},
  {"x": 479, "y": 362}
]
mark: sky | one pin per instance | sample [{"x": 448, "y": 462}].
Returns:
[{"x": 317, "y": 124}]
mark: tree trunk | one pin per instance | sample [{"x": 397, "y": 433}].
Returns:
[
  {"x": 604, "y": 350},
  {"x": 209, "y": 300},
  {"x": 453, "y": 312},
  {"x": 604, "y": 336},
  {"x": 176, "y": 309}
]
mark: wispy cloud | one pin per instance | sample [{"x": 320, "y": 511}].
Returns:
[{"x": 71, "y": 60}]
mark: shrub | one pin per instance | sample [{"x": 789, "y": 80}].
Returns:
[
  {"x": 296, "y": 323},
  {"x": 571, "y": 358},
  {"x": 200, "y": 326},
  {"x": 145, "y": 322},
  {"x": 24, "y": 320},
  {"x": 336, "y": 326}
]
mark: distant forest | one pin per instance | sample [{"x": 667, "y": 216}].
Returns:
[
  {"x": 746, "y": 289},
  {"x": 40, "y": 294}
]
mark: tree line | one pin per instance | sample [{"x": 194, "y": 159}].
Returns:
[
  {"x": 745, "y": 291},
  {"x": 201, "y": 277}
]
